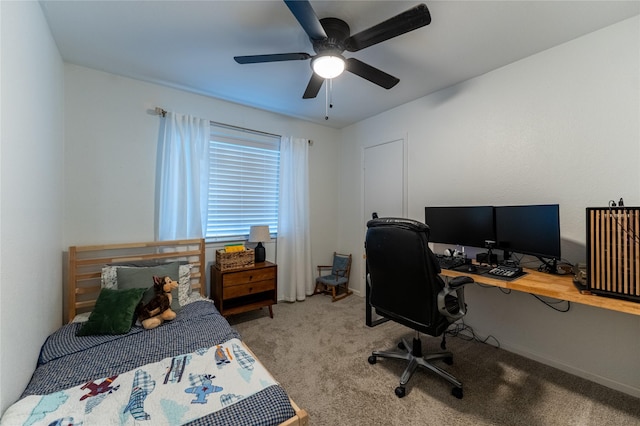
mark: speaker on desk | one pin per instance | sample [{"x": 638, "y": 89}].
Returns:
[
  {"x": 613, "y": 250},
  {"x": 484, "y": 258}
]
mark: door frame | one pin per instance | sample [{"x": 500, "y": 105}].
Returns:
[{"x": 369, "y": 317}]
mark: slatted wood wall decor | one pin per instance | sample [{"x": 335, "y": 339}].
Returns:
[{"x": 613, "y": 252}]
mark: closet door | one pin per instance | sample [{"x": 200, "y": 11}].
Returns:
[{"x": 384, "y": 191}]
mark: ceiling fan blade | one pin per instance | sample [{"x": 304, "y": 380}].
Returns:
[
  {"x": 307, "y": 18},
  {"x": 315, "y": 83},
  {"x": 370, "y": 73},
  {"x": 409, "y": 20},
  {"x": 254, "y": 59}
]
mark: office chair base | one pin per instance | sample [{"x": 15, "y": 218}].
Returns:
[{"x": 413, "y": 354}]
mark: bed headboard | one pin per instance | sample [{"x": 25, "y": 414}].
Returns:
[{"x": 86, "y": 263}]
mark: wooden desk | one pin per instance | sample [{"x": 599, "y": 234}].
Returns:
[{"x": 549, "y": 285}]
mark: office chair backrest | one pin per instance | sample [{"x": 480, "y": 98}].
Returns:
[{"x": 403, "y": 273}]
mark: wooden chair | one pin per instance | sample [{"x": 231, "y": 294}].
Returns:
[{"x": 336, "y": 282}]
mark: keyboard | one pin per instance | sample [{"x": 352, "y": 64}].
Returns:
[
  {"x": 448, "y": 262},
  {"x": 506, "y": 271}
]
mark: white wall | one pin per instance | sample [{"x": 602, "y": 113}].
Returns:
[
  {"x": 111, "y": 139},
  {"x": 31, "y": 162},
  {"x": 562, "y": 126}
]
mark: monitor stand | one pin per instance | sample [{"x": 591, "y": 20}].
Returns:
[{"x": 551, "y": 267}]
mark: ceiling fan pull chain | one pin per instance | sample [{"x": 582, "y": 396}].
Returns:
[
  {"x": 326, "y": 100},
  {"x": 328, "y": 103},
  {"x": 331, "y": 93}
]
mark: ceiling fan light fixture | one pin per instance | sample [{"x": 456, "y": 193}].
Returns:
[{"x": 328, "y": 66}]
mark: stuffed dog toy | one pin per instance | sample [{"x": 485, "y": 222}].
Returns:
[{"x": 158, "y": 309}]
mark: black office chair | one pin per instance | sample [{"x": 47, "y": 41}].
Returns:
[{"x": 405, "y": 287}]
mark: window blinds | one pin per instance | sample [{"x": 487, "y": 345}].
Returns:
[{"x": 243, "y": 183}]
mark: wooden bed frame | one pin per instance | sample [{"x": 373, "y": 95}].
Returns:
[
  {"x": 85, "y": 268},
  {"x": 86, "y": 263}
]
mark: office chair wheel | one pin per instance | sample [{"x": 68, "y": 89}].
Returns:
[
  {"x": 401, "y": 391},
  {"x": 372, "y": 359},
  {"x": 448, "y": 360},
  {"x": 457, "y": 392}
]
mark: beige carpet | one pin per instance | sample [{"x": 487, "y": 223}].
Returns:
[{"x": 318, "y": 351}]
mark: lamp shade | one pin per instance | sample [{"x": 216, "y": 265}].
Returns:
[
  {"x": 328, "y": 66},
  {"x": 259, "y": 234}
]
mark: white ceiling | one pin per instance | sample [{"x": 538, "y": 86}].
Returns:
[{"x": 191, "y": 44}]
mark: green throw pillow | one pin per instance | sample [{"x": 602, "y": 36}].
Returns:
[
  {"x": 143, "y": 277},
  {"x": 114, "y": 312}
]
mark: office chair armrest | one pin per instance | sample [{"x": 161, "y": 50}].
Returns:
[
  {"x": 460, "y": 281},
  {"x": 455, "y": 288}
]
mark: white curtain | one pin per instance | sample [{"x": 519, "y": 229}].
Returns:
[
  {"x": 182, "y": 167},
  {"x": 295, "y": 280}
]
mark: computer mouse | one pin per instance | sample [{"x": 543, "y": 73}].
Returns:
[{"x": 472, "y": 268}]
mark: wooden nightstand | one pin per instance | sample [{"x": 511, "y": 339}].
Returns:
[{"x": 244, "y": 289}]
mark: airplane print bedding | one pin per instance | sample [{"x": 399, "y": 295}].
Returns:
[{"x": 192, "y": 370}]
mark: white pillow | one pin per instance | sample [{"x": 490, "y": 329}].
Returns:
[
  {"x": 109, "y": 277},
  {"x": 184, "y": 284},
  {"x": 83, "y": 317}
]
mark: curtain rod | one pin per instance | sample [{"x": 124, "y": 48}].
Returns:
[{"x": 163, "y": 112}]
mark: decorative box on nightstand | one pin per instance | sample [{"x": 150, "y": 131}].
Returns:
[{"x": 244, "y": 289}]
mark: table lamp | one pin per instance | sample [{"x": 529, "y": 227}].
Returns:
[{"x": 259, "y": 234}]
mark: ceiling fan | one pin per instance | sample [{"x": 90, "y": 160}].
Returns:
[{"x": 331, "y": 36}]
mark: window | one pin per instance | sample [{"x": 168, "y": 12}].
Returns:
[{"x": 243, "y": 183}]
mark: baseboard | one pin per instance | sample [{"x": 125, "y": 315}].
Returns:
[{"x": 604, "y": 381}]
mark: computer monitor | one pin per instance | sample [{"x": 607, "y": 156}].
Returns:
[
  {"x": 532, "y": 230},
  {"x": 463, "y": 226}
]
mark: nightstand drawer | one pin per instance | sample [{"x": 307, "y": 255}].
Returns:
[
  {"x": 247, "y": 289},
  {"x": 244, "y": 277},
  {"x": 244, "y": 289}
]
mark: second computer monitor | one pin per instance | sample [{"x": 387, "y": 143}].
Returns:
[
  {"x": 463, "y": 226},
  {"x": 532, "y": 229}
]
